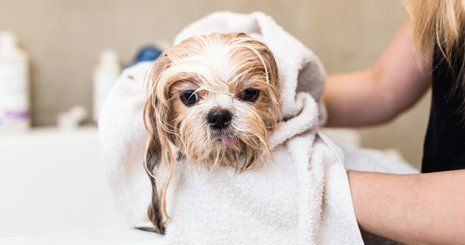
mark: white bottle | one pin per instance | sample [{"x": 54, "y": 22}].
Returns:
[
  {"x": 14, "y": 85},
  {"x": 105, "y": 75}
]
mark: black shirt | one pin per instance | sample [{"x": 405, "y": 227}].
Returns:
[{"x": 444, "y": 147}]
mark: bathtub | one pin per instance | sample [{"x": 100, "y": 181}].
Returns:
[{"x": 53, "y": 189}]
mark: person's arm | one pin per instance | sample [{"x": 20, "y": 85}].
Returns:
[
  {"x": 380, "y": 93},
  {"x": 412, "y": 209}
]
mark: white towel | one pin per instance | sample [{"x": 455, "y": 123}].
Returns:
[{"x": 302, "y": 197}]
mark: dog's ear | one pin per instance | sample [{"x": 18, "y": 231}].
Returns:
[
  {"x": 152, "y": 160},
  {"x": 153, "y": 212},
  {"x": 269, "y": 60},
  {"x": 154, "y": 147},
  {"x": 263, "y": 50}
]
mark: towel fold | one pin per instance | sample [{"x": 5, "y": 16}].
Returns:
[{"x": 302, "y": 196}]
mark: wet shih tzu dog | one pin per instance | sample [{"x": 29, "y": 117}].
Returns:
[{"x": 213, "y": 101}]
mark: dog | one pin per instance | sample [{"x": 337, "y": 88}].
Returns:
[{"x": 212, "y": 100}]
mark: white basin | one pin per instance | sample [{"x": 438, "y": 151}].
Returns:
[{"x": 52, "y": 181}]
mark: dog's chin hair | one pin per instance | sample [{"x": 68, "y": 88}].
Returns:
[{"x": 250, "y": 149}]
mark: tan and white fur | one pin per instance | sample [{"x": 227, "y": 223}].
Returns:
[{"x": 213, "y": 101}]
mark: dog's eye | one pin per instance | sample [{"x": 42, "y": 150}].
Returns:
[
  {"x": 250, "y": 94},
  {"x": 189, "y": 97}
]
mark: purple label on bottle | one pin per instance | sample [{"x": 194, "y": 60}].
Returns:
[{"x": 17, "y": 115}]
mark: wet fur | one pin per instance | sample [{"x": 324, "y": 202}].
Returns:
[{"x": 218, "y": 67}]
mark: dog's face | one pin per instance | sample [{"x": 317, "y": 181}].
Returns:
[{"x": 214, "y": 100}]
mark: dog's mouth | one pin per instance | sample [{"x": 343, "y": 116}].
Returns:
[{"x": 226, "y": 138}]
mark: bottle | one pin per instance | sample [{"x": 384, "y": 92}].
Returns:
[
  {"x": 105, "y": 75},
  {"x": 14, "y": 85}
]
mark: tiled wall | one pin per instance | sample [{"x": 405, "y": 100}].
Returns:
[{"x": 64, "y": 38}]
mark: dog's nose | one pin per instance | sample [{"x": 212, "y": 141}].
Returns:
[{"x": 219, "y": 118}]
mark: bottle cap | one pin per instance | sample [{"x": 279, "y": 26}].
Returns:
[
  {"x": 7, "y": 40},
  {"x": 108, "y": 57}
]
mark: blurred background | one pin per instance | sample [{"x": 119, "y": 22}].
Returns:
[{"x": 64, "y": 40}]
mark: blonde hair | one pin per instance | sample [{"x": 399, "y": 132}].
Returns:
[{"x": 437, "y": 22}]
